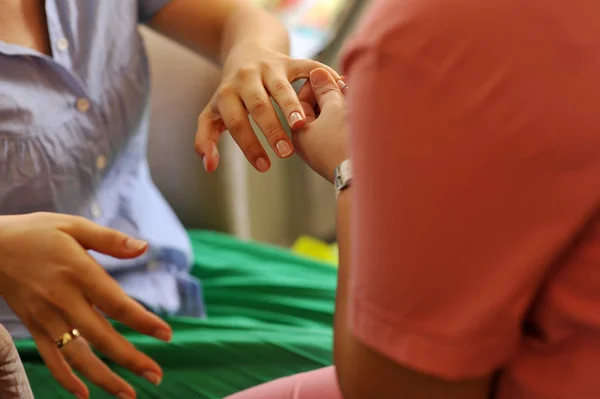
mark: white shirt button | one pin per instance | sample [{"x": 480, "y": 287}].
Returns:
[
  {"x": 100, "y": 162},
  {"x": 83, "y": 104},
  {"x": 62, "y": 44},
  {"x": 95, "y": 210}
]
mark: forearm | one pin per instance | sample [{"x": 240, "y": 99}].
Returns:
[
  {"x": 253, "y": 25},
  {"x": 341, "y": 332},
  {"x": 214, "y": 28}
]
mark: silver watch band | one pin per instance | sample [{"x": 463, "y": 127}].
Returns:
[{"x": 342, "y": 176}]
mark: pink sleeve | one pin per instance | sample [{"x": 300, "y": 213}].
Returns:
[{"x": 470, "y": 178}]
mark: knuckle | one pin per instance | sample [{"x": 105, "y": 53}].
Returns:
[
  {"x": 131, "y": 359},
  {"x": 78, "y": 221},
  {"x": 57, "y": 239},
  {"x": 290, "y": 106},
  {"x": 248, "y": 148},
  {"x": 198, "y": 147},
  {"x": 100, "y": 343},
  {"x": 279, "y": 88},
  {"x": 38, "y": 311},
  {"x": 236, "y": 124},
  {"x": 222, "y": 94},
  {"x": 272, "y": 132},
  {"x": 118, "y": 308},
  {"x": 52, "y": 293},
  {"x": 111, "y": 235},
  {"x": 259, "y": 106},
  {"x": 268, "y": 67},
  {"x": 247, "y": 72},
  {"x": 42, "y": 215},
  {"x": 77, "y": 353}
]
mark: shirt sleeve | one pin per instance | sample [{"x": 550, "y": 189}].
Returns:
[
  {"x": 473, "y": 174},
  {"x": 149, "y": 8}
]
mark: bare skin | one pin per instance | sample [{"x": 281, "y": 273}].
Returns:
[{"x": 23, "y": 22}]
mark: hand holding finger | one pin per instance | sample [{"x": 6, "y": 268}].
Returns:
[{"x": 326, "y": 89}]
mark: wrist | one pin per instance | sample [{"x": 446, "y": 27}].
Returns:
[
  {"x": 253, "y": 40},
  {"x": 242, "y": 53}
]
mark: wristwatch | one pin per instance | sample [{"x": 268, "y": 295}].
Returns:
[{"x": 342, "y": 176}]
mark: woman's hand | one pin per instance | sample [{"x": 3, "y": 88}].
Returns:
[
  {"x": 322, "y": 141},
  {"x": 54, "y": 286},
  {"x": 252, "y": 75}
]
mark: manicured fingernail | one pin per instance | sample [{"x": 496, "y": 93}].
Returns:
[
  {"x": 124, "y": 396},
  {"x": 163, "y": 335},
  {"x": 152, "y": 377},
  {"x": 262, "y": 165},
  {"x": 79, "y": 396},
  {"x": 342, "y": 84},
  {"x": 204, "y": 163},
  {"x": 135, "y": 245},
  {"x": 318, "y": 77},
  {"x": 283, "y": 148},
  {"x": 295, "y": 117}
]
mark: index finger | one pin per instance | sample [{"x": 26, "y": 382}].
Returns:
[{"x": 104, "y": 292}]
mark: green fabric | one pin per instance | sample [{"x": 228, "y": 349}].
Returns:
[{"x": 270, "y": 315}]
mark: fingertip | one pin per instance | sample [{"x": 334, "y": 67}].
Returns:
[
  {"x": 299, "y": 125},
  {"x": 262, "y": 164},
  {"x": 284, "y": 148},
  {"x": 210, "y": 156},
  {"x": 163, "y": 334},
  {"x": 319, "y": 76},
  {"x": 297, "y": 120},
  {"x": 82, "y": 392},
  {"x": 78, "y": 388},
  {"x": 343, "y": 86},
  {"x": 134, "y": 245}
]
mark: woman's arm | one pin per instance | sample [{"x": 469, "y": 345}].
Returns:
[
  {"x": 214, "y": 27},
  {"x": 252, "y": 46}
]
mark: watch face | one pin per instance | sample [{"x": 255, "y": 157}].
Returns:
[{"x": 343, "y": 175}]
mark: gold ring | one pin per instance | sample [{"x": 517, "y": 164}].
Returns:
[{"x": 67, "y": 338}]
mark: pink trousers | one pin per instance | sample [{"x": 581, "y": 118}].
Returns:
[{"x": 317, "y": 384}]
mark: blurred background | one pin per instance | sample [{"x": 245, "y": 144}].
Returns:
[{"x": 278, "y": 207}]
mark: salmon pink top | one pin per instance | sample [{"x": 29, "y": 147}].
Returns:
[{"x": 475, "y": 136}]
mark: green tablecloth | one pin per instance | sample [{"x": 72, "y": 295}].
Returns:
[{"x": 270, "y": 315}]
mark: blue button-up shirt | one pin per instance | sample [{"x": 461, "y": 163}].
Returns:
[{"x": 73, "y": 136}]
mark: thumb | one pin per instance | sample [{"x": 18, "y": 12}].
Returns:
[
  {"x": 101, "y": 239},
  {"x": 326, "y": 89}
]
